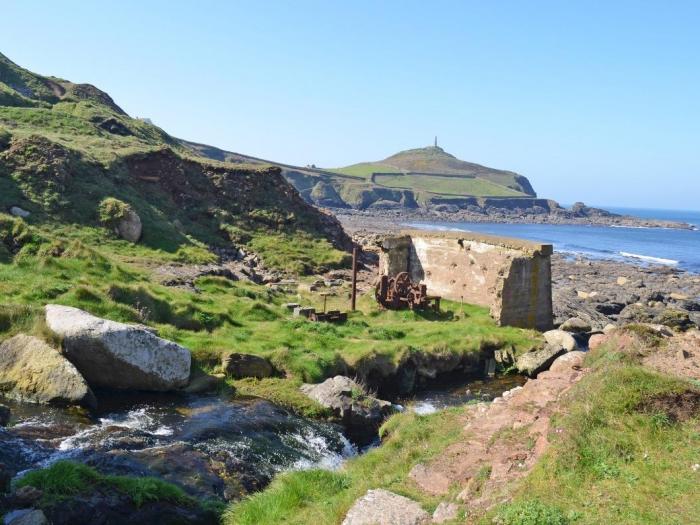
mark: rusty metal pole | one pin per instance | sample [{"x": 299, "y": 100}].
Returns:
[{"x": 353, "y": 295}]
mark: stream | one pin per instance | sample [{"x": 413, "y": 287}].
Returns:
[{"x": 214, "y": 446}]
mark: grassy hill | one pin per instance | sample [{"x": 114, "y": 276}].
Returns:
[
  {"x": 467, "y": 178},
  {"x": 422, "y": 177},
  {"x": 66, "y": 147}
]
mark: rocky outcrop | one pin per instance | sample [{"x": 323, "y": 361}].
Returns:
[
  {"x": 360, "y": 413},
  {"x": 569, "y": 361},
  {"x": 381, "y": 507},
  {"x": 30, "y": 370},
  {"x": 246, "y": 365},
  {"x": 501, "y": 441},
  {"x": 601, "y": 292},
  {"x": 117, "y": 355},
  {"x": 446, "y": 512}
]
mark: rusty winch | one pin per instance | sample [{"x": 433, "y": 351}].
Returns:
[{"x": 399, "y": 292}]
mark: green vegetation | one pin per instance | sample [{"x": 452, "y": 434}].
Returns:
[
  {"x": 323, "y": 497},
  {"x": 407, "y": 179},
  {"x": 627, "y": 452},
  {"x": 113, "y": 281},
  {"x": 112, "y": 210},
  {"x": 364, "y": 169},
  {"x": 531, "y": 512},
  {"x": 436, "y": 160},
  {"x": 452, "y": 185},
  {"x": 70, "y": 155},
  {"x": 283, "y": 392},
  {"x": 626, "y": 442},
  {"x": 66, "y": 478}
]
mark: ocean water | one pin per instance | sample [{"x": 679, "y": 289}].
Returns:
[{"x": 678, "y": 248}]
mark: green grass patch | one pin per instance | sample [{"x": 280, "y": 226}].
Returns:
[
  {"x": 364, "y": 169},
  {"x": 282, "y": 392},
  {"x": 64, "y": 479},
  {"x": 473, "y": 186},
  {"x": 115, "y": 282}
]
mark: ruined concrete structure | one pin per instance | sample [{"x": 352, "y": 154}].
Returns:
[{"x": 510, "y": 276}]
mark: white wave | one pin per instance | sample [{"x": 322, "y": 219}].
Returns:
[
  {"x": 434, "y": 227},
  {"x": 322, "y": 455},
  {"x": 138, "y": 419},
  {"x": 649, "y": 258}
]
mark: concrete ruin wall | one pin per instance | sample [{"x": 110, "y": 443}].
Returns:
[{"x": 510, "y": 276}]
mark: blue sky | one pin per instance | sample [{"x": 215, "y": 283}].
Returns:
[{"x": 592, "y": 100}]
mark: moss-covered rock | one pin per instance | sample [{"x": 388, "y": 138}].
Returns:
[{"x": 31, "y": 370}]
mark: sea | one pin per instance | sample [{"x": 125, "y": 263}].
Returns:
[{"x": 644, "y": 246}]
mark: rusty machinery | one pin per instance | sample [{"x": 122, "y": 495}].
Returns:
[{"x": 399, "y": 292}]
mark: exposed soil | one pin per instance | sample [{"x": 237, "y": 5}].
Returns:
[
  {"x": 680, "y": 357},
  {"x": 678, "y": 407}
]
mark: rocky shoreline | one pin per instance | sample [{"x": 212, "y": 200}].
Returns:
[
  {"x": 598, "y": 291},
  {"x": 605, "y": 291},
  {"x": 388, "y": 219}
]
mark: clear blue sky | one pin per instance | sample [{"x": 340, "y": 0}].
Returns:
[{"x": 592, "y": 100}]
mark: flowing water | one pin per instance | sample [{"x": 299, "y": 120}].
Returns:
[
  {"x": 190, "y": 439},
  {"x": 455, "y": 392},
  {"x": 214, "y": 446}
]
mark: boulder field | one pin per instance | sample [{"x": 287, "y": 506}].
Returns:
[{"x": 117, "y": 355}]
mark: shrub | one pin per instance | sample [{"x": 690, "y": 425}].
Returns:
[{"x": 111, "y": 211}]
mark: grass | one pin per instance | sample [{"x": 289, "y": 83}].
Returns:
[
  {"x": 62, "y": 163},
  {"x": 64, "y": 479},
  {"x": 282, "y": 392},
  {"x": 613, "y": 462},
  {"x": 323, "y": 497},
  {"x": 364, "y": 169},
  {"x": 452, "y": 185},
  {"x": 115, "y": 281}
]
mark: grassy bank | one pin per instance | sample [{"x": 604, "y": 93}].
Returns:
[
  {"x": 624, "y": 445},
  {"x": 625, "y": 455},
  {"x": 117, "y": 281}
]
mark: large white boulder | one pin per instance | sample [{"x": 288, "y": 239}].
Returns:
[
  {"x": 30, "y": 370},
  {"x": 118, "y": 355},
  {"x": 561, "y": 338},
  {"x": 381, "y": 507}
]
